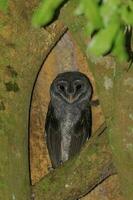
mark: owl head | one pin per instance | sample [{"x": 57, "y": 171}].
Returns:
[{"x": 71, "y": 87}]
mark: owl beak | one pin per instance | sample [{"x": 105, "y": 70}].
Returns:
[{"x": 71, "y": 98}]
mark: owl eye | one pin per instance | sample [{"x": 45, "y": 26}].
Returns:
[
  {"x": 61, "y": 87},
  {"x": 78, "y": 87}
]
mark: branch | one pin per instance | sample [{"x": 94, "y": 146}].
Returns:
[{"x": 79, "y": 175}]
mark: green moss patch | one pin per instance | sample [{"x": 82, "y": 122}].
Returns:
[{"x": 12, "y": 86}]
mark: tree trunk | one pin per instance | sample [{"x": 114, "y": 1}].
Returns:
[
  {"x": 23, "y": 50},
  {"x": 115, "y": 85}
]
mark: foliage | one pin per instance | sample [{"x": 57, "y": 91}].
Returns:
[
  {"x": 45, "y": 12},
  {"x": 3, "y": 5},
  {"x": 107, "y": 19}
]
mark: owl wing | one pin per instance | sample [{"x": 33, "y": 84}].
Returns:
[
  {"x": 81, "y": 132},
  {"x": 53, "y": 137}
]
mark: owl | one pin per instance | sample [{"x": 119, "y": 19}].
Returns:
[{"x": 69, "y": 118}]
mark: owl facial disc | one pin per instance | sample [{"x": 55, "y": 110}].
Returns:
[{"x": 71, "y": 86}]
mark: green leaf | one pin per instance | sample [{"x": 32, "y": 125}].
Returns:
[
  {"x": 91, "y": 11},
  {"x": 3, "y": 5},
  {"x": 90, "y": 28},
  {"x": 130, "y": 4},
  {"x": 80, "y": 9},
  {"x": 127, "y": 15},
  {"x": 103, "y": 40},
  {"x": 45, "y": 12},
  {"x": 109, "y": 9},
  {"x": 119, "y": 48}
]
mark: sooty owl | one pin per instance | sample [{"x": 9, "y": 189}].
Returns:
[{"x": 68, "y": 120}]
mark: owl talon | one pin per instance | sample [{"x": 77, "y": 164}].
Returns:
[
  {"x": 61, "y": 162},
  {"x": 50, "y": 169}
]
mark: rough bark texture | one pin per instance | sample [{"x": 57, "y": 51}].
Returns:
[
  {"x": 79, "y": 175},
  {"x": 107, "y": 190},
  {"x": 115, "y": 85},
  {"x": 122, "y": 142},
  {"x": 22, "y": 49}
]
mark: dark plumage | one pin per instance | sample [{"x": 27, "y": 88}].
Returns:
[{"x": 68, "y": 121}]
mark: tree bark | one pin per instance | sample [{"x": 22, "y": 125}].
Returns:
[
  {"x": 115, "y": 85},
  {"x": 123, "y": 126},
  {"x": 23, "y": 50},
  {"x": 79, "y": 175}
]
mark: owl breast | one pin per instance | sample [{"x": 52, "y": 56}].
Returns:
[
  {"x": 68, "y": 116},
  {"x": 66, "y": 128}
]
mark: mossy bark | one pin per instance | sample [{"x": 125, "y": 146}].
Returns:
[
  {"x": 22, "y": 50},
  {"x": 115, "y": 84},
  {"x": 123, "y": 126},
  {"x": 79, "y": 175}
]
